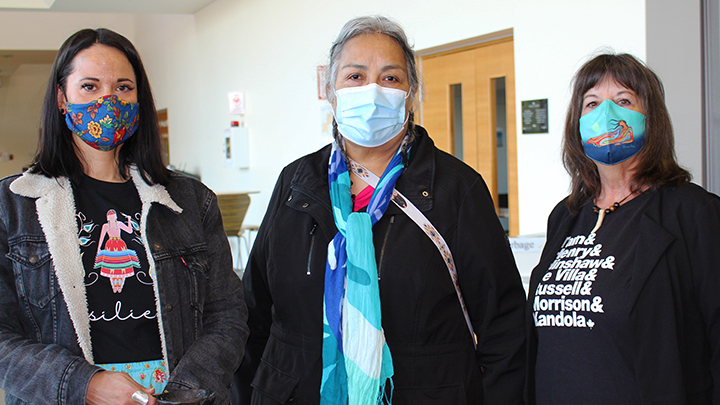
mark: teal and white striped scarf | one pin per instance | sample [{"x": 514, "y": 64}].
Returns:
[{"x": 356, "y": 359}]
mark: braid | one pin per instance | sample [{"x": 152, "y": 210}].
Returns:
[
  {"x": 405, "y": 147},
  {"x": 341, "y": 144}
]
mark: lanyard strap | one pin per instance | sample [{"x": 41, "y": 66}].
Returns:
[{"x": 426, "y": 226}]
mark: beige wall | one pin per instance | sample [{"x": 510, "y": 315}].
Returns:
[{"x": 21, "y": 96}]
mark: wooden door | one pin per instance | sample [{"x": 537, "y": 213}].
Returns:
[
  {"x": 162, "y": 117},
  {"x": 474, "y": 70}
]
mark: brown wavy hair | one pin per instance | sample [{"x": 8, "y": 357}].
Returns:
[{"x": 657, "y": 164}]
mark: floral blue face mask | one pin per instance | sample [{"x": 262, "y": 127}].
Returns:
[
  {"x": 612, "y": 134},
  {"x": 104, "y": 123}
]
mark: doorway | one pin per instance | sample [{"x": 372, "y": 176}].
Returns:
[
  {"x": 162, "y": 117},
  {"x": 468, "y": 108}
]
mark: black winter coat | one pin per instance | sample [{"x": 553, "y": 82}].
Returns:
[
  {"x": 431, "y": 347},
  {"x": 675, "y": 295}
]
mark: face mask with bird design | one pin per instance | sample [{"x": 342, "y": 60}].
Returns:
[{"x": 612, "y": 134}]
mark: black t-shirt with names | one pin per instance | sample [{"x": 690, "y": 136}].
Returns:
[
  {"x": 120, "y": 292},
  {"x": 580, "y": 311}
]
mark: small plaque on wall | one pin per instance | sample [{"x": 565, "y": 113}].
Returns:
[{"x": 535, "y": 117}]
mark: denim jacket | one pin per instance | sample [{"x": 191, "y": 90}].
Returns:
[{"x": 45, "y": 347}]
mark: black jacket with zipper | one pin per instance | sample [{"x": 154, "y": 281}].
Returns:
[{"x": 429, "y": 340}]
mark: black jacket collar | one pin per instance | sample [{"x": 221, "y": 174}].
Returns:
[{"x": 416, "y": 183}]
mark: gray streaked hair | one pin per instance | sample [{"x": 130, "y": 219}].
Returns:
[{"x": 371, "y": 25}]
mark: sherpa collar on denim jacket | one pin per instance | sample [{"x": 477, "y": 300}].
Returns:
[{"x": 56, "y": 213}]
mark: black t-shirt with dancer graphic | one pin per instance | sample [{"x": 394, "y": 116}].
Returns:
[
  {"x": 580, "y": 310},
  {"x": 120, "y": 292}
]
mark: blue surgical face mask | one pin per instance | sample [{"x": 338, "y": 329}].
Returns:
[
  {"x": 370, "y": 115},
  {"x": 612, "y": 134}
]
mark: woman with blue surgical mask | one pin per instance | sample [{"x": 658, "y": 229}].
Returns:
[
  {"x": 116, "y": 279},
  {"x": 381, "y": 273},
  {"x": 623, "y": 307}
]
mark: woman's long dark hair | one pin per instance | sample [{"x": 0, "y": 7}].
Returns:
[
  {"x": 657, "y": 165},
  {"x": 57, "y": 153}
]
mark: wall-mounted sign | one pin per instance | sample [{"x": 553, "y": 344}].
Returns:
[
  {"x": 535, "y": 117},
  {"x": 236, "y": 101},
  {"x": 321, "y": 76}
]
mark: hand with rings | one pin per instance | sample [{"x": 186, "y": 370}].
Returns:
[{"x": 112, "y": 388}]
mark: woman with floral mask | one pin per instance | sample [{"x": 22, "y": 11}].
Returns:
[
  {"x": 624, "y": 306},
  {"x": 381, "y": 273},
  {"x": 116, "y": 277}
]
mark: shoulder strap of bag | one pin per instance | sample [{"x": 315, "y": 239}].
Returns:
[{"x": 426, "y": 226}]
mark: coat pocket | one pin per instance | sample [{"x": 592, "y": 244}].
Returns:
[
  {"x": 288, "y": 370},
  {"x": 273, "y": 383},
  {"x": 186, "y": 272},
  {"x": 35, "y": 279}
]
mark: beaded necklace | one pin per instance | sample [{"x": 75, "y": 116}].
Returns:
[{"x": 602, "y": 212}]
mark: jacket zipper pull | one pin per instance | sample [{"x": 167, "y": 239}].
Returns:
[
  {"x": 312, "y": 244},
  {"x": 183, "y": 260},
  {"x": 382, "y": 249}
]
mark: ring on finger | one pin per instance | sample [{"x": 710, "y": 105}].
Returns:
[{"x": 141, "y": 397}]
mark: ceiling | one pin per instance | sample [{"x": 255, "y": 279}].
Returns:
[
  {"x": 10, "y": 60},
  {"x": 108, "y": 6}
]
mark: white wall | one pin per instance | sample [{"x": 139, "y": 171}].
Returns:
[
  {"x": 270, "y": 48},
  {"x": 19, "y": 125},
  {"x": 31, "y": 30}
]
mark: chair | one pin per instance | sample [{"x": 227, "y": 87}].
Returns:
[
  {"x": 247, "y": 235},
  {"x": 233, "y": 208}
]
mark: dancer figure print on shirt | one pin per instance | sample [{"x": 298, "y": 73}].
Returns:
[{"x": 116, "y": 261}]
